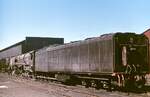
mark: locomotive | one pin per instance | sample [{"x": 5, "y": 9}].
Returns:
[
  {"x": 111, "y": 60},
  {"x": 22, "y": 64}
]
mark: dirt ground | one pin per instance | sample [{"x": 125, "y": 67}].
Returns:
[{"x": 11, "y": 86}]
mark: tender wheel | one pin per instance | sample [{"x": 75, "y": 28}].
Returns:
[
  {"x": 86, "y": 83},
  {"x": 93, "y": 83},
  {"x": 83, "y": 82},
  {"x": 98, "y": 85}
]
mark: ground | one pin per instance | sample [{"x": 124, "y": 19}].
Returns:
[{"x": 11, "y": 86}]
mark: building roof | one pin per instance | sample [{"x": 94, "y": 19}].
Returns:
[
  {"x": 33, "y": 40},
  {"x": 19, "y": 43},
  {"x": 148, "y": 30}
]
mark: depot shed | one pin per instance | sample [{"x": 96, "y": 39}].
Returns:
[{"x": 29, "y": 44}]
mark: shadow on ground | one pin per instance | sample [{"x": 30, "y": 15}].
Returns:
[{"x": 144, "y": 89}]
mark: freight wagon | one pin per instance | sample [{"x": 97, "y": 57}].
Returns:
[{"x": 119, "y": 59}]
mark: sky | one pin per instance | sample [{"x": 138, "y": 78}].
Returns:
[{"x": 71, "y": 19}]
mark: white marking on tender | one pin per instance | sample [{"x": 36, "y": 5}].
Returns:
[{"x": 3, "y": 87}]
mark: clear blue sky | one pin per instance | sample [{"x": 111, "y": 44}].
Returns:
[{"x": 71, "y": 19}]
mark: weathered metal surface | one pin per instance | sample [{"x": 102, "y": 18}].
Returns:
[
  {"x": 75, "y": 58},
  {"x": 106, "y": 56},
  {"x": 91, "y": 55},
  {"x": 84, "y": 66},
  {"x": 34, "y": 43},
  {"x": 98, "y": 55},
  {"x": 41, "y": 60},
  {"x": 14, "y": 51},
  {"x": 136, "y": 52},
  {"x": 24, "y": 60}
]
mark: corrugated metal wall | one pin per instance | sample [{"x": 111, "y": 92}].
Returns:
[
  {"x": 41, "y": 60},
  {"x": 92, "y": 55},
  {"x": 34, "y": 43},
  {"x": 106, "y": 55},
  {"x": 84, "y": 60},
  {"x": 14, "y": 51}
]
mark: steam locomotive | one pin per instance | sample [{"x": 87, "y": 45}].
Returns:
[{"x": 111, "y": 60}]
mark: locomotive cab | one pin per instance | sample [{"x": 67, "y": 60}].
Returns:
[{"x": 131, "y": 57}]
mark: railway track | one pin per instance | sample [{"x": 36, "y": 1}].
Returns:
[{"x": 61, "y": 90}]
